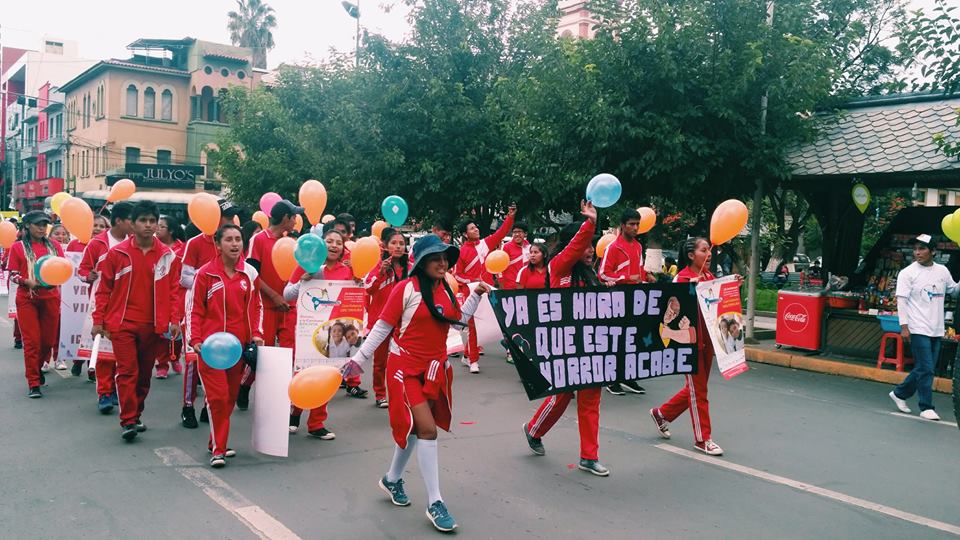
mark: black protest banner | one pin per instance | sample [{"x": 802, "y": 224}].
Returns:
[{"x": 566, "y": 339}]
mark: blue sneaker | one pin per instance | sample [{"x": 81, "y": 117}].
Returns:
[
  {"x": 395, "y": 491},
  {"x": 440, "y": 517},
  {"x": 104, "y": 405},
  {"x": 114, "y": 399}
]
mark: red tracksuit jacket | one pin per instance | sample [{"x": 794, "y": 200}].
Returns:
[
  {"x": 95, "y": 250},
  {"x": 528, "y": 279},
  {"x": 115, "y": 287},
  {"x": 214, "y": 295},
  {"x": 621, "y": 260},
  {"x": 561, "y": 265},
  {"x": 519, "y": 255},
  {"x": 76, "y": 246},
  {"x": 378, "y": 290},
  {"x": 470, "y": 267}
]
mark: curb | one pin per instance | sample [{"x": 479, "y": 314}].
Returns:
[{"x": 834, "y": 367}]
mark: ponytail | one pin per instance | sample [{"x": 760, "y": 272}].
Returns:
[{"x": 426, "y": 292}]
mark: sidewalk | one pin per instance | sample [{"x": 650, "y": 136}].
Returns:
[{"x": 766, "y": 353}]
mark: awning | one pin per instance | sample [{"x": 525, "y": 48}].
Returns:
[{"x": 159, "y": 197}]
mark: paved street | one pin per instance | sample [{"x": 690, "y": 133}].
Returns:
[{"x": 807, "y": 456}]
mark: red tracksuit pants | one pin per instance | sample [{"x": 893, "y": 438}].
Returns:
[
  {"x": 135, "y": 347},
  {"x": 472, "y": 350},
  {"x": 16, "y": 330},
  {"x": 106, "y": 374},
  {"x": 380, "y": 370},
  {"x": 39, "y": 321},
  {"x": 693, "y": 395},
  {"x": 220, "y": 389},
  {"x": 588, "y": 418}
]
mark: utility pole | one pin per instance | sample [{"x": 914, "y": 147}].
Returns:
[
  {"x": 757, "y": 214},
  {"x": 353, "y": 10}
]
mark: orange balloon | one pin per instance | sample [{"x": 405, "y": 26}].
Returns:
[
  {"x": 77, "y": 217},
  {"x": 377, "y": 228},
  {"x": 728, "y": 220},
  {"x": 8, "y": 234},
  {"x": 298, "y": 222},
  {"x": 605, "y": 241},
  {"x": 282, "y": 256},
  {"x": 204, "y": 212},
  {"x": 648, "y": 218},
  {"x": 452, "y": 281},
  {"x": 327, "y": 218},
  {"x": 56, "y": 271},
  {"x": 364, "y": 256},
  {"x": 236, "y": 220},
  {"x": 261, "y": 218},
  {"x": 314, "y": 386},
  {"x": 497, "y": 261},
  {"x": 313, "y": 199},
  {"x": 349, "y": 244},
  {"x": 122, "y": 190}
]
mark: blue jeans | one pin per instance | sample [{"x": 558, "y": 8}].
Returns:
[{"x": 925, "y": 351}]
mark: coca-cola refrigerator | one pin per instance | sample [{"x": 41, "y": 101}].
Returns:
[{"x": 799, "y": 317}]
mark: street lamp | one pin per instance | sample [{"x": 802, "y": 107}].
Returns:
[{"x": 354, "y": 11}]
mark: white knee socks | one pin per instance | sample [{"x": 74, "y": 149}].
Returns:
[
  {"x": 429, "y": 468},
  {"x": 400, "y": 458}
]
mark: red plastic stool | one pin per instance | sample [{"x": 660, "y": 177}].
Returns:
[{"x": 898, "y": 359}]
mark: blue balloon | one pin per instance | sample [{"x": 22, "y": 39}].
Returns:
[
  {"x": 604, "y": 190},
  {"x": 36, "y": 269},
  {"x": 395, "y": 210},
  {"x": 221, "y": 350},
  {"x": 310, "y": 253}
]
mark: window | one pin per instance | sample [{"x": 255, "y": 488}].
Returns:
[
  {"x": 241, "y": 75},
  {"x": 163, "y": 157},
  {"x": 166, "y": 105},
  {"x": 132, "y": 100},
  {"x": 942, "y": 199},
  {"x": 133, "y": 155},
  {"x": 207, "y": 69},
  {"x": 55, "y": 47},
  {"x": 149, "y": 103},
  {"x": 225, "y": 72},
  {"x": 103, "y": 157}
]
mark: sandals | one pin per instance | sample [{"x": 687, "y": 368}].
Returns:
[{"x": 356, "y": 392}]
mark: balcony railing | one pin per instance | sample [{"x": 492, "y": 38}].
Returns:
[
  {"x": 52, "y": 144},
  {"x": 29, "y": 151}
]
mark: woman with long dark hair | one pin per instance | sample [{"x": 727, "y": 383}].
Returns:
[
  {"x": 417, "y": 317},
  {"x": 393, "y": 268},
  {"x": 170, "y": 233},
  {"x": 536, "y": 273},
  {"x": 572, "y": 267},
  {"x": 693, "y": 395}
]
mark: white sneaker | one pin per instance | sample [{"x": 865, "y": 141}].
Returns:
[
  {"x": 465, "y": 361},
  {"x": 930, "y": 414},
  {"x": 45, "y": 368},
  {"x": 901, "y": 404},
  {"x": 475, "y": 367},
  {"x": 709, "y": 447},
  {"x": 61, "y": 365}
]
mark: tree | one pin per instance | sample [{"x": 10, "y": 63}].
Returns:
[{"x": 251, "y": 26}]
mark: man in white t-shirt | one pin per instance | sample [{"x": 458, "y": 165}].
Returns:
[{"x": 921, "y": 288}]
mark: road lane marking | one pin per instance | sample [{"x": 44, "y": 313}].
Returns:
[
  {"x": 255, "y": 518},
  {"x": 924, "y": 420},
  {"x": 815, "y": 490}
]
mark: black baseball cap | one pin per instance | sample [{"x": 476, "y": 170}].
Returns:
[
  {"x": 35, "y": 217},
  {"x": 227, "y": 208},
  {"x": 283, "y": 209}
]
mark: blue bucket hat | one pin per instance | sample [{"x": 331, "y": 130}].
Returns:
[{"x": 430, "y": 244}]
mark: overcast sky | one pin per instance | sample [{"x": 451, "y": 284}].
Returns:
[{"x": 305, "y": 28}]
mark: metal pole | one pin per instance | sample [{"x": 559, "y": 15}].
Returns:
[
  {"x": 757, "y": 215},
  {"x": 357, "y": 53}
]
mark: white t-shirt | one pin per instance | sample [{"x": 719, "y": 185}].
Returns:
[{"x": 920, "y": 293}]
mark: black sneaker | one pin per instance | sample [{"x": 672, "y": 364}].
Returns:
[
  {"x": 76, "y": 368},
  {"x": 294, "y": 423},
  {"x": 323, "y": 433},
  {"x": 616, "y": 389},
  {"x": 632, "y": 386},
  {"x": 188, "y": 418},
  {"x": 356, "y": 392},
  {"x": 203, "y": 416},
  {"x": 218, "y": 461},
  {"x": 129, "y": 432},
  {"x": 34, "y": 393},
  {"x": 18, "y": 344},
  {"x": 243, "y": 398},
  {"x": 141, "y": 427},
  {"x": 43, "y": 379},
  {"x": 536, "y": 445},
  {"x": 594, "y": 467},
  {"x": 381, "y": 403},
  {"x": 91, "y": 375}
]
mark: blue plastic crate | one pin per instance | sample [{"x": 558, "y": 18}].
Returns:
[{"x": 889, "y": 323}]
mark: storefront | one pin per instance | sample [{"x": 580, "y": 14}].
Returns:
[{"x": 31, "y": 194}]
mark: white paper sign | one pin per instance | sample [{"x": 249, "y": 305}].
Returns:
[
  {"x": 12, "y": 301},
  {"x": 488, "y": 329},
  {"x": 271, "y": 402},
  {"x": 74, "y": 307}
]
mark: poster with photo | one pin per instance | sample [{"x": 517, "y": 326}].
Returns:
[
  {"x": 722, "y": 313},
  {"x": 74, "y": 307},
  {"x": 329, "y": 322}
]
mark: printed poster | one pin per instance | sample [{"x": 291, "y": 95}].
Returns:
[
  {"x": 722, "y": 313},
  {"x": 329, "y": 322},
  {"x": 74, "y": 307},
  {"x": 105, "y": 353}
]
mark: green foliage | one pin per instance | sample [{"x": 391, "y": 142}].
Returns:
[{"x": 886, "y": 205}]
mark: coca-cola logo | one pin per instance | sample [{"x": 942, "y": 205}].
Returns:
[{"x": 796, "y": 317}]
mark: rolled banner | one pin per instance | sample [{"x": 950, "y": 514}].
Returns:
[{"x": 94, "y": 351}]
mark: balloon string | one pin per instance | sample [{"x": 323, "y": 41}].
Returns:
[{"x": 700, "y": 272}]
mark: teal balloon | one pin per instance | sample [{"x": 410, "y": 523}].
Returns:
[
  {"x": 604, "y": 190},
  {"x": 395, "y": 210},
  {"x": 221, "y": 350},
  {"x": 36, "y": 269},
  {"x": 310, "y": 253}
]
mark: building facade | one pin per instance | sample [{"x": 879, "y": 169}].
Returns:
[
  {"x": 152, "y": 118},
  {"x": 575, "y": 20}
]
